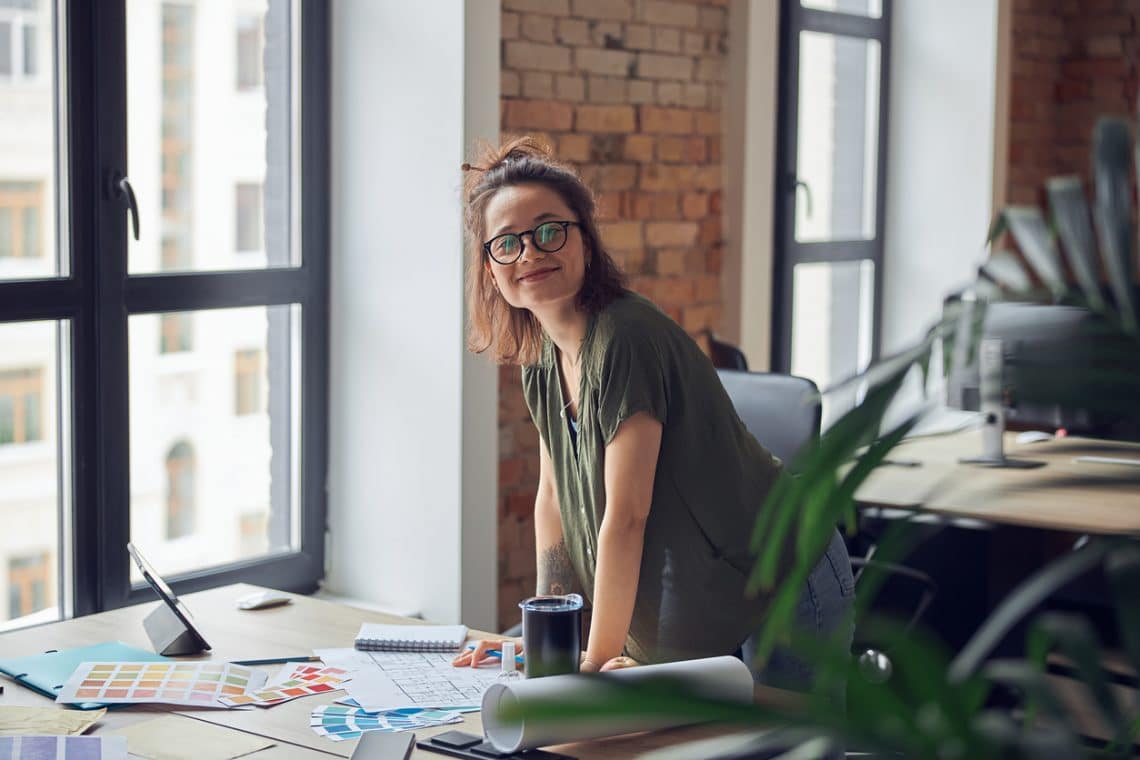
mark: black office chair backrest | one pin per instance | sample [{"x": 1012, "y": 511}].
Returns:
[{"x": 782, "y": 411}]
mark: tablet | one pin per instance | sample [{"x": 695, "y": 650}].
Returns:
[{"x": 166, "y": 594}]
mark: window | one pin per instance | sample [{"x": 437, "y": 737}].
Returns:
[
  {"x": 180, "y": 491},
  {"x": 247, "y": 382},
  {"x": 21, "y": 395},
  {"x": 248, "y": 217},
  {"x": 135, "y": 343},
  {"x": 18, "y": 28},
  {"x": 249, "y": 51},
  {"x": 28, "y": 587},
  {"x": 21, "y": 205},
  {"x": 830, "y": 161}
]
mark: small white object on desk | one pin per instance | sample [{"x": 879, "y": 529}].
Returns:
[
  {"x": 261, "y": 600},
  {"x": 1033, "y": 436}
]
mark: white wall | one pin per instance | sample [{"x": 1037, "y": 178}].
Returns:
[
  {"x": 940, "y": 157},
  {"x": 413, "y": 436},
  {"x": 749, "y": 167}
]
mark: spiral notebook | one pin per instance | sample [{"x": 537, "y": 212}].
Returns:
[{"x": 379, "y": 637}]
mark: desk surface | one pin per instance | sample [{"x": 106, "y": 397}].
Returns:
[
  {"x": 1081, "y": 497},
  {"x": 282, "y": 631}
]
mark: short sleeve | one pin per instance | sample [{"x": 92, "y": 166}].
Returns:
[{"x": 632, "y": 379}]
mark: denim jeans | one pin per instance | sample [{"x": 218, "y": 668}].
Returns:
[{"x": 823, "y": 607}]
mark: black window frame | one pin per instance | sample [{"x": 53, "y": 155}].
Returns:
[
  {"x": 97, "y": 298},
  {"x": 795, "y": 18}
]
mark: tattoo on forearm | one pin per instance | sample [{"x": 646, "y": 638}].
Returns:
[{"x": 555, "y": 573}]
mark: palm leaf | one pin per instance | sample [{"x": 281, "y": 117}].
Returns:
[
  {"x": 1074, "y": 638},
  {"x": 1005, "y": 270},
  {"x": 1123, "y": 570},
  {"x": 1071, "y": 216},
  {"x": 1028, "y": 227},
  {"x": 1112, "y": 144}
]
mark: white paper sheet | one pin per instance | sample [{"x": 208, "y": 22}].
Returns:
[
  {"x": 388, "y": 680},
  {"x": 719, "y": 677}
]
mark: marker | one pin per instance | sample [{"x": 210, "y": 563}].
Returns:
[
  {"x": 277, "y": 660},
  {"x": 496, "y": 653}
]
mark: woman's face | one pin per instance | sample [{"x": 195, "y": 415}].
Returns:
[{"x": 537, "y": 279}]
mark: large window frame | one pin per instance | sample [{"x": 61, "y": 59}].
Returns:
[
  {"x": 94, "y": 298},
  {"x": 795, "y": 18}
]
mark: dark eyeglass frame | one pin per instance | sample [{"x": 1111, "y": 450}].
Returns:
[{"x": 565, "y": 223}]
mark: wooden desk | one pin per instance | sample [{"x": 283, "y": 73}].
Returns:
[
  {"x": 1063, "y": 495},
  {"x": 281, "y": 631}
]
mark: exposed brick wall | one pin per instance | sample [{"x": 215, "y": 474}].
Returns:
[
  {"x": 630, "y": 91},
  {"x": 1071, "y": 61}
]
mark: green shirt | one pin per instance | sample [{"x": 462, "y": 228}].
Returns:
[{"x": 712, "y": 477}]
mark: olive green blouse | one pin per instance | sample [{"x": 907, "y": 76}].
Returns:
[{"x": 712, "y": 477}]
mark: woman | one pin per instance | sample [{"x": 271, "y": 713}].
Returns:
[{"x": 649, "y": 483}]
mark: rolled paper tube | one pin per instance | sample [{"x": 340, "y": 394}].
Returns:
[{"x": 726, "y": 678}]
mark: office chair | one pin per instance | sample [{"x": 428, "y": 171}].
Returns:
[
  {"x": 784, "y": 413},
  {"x": 724, "y": 355}
]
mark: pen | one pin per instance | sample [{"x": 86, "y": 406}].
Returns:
[
  {"x": 277, "y": 660},
  {"x": 496, "y": 653}
]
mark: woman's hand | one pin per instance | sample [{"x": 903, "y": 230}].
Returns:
[
  {"x": 617, "y": 663},
  {"x": 478, "y": 656}
]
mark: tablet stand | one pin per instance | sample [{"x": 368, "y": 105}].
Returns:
[
  {"x": 168, "y": 634},
  {"x": 990, "y": 364}
]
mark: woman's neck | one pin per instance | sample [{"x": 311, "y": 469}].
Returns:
[{"x": 566, "y": 327}]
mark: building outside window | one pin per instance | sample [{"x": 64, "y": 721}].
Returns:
[
  {"x": 21, "y": 399},
  {"x": 247, "y": 382},
  {"x": 19, "y": 21},
  {"x": 250, "y": 47},
  {"x": 28, "y": 587},
  {"x": 21, "y": 205},
  {"x": 180, "y": 491},
  {"x": 248, "y": 217}
]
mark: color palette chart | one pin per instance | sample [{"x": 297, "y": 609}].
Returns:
[
  {"x": 63, "y": 748},
  {"x": 197, "y": 684},
  {"x": 341, "y": 723},
  {"x": 302, "y": 681}
]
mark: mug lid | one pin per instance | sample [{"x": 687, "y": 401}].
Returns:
[{"x": 552, "y": 603}]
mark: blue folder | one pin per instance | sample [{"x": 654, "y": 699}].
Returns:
[{"x": 47, "y": 672}]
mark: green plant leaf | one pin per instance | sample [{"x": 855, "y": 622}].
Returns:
[
  {"x": 1075, "y": 638},
  {"x": 1071, "y": 217},
  {"x": 1028, "y": 227},
  {"x": 1112, "y": 212},
  {"x": 1005, "y": 269},
  {"x": 1122, "y": 566},
  {"x": 1023, "y": 599}
]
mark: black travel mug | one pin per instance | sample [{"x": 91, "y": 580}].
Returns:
[{"x": 552, "y": 634}]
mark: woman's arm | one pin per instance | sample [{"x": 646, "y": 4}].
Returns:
[
  {"x": 631, "y": 463},
  {"x": 555, "y": 573}
]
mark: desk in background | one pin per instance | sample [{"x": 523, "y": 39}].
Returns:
[{"x": 281, "y": 631}]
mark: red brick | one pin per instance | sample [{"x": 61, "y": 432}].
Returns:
[
  {"x": 549, "y": 7},
  {"x": 714, "y": 19},
  {"x": 666, "y": 205},
  {"x": 538, "y": 85},
  {"x": 666, "y": 177},
  {"x": 610, "y": 176},
  {"x": 673, "y": 290},
  {"x": 605, "y": 119},
  {"x": 640, "y": 91},
  {"x": 509, "y": 26},
  {"x": 538, "y": 114},
  {"x": 670, "y": 261},
  {"x": 669, "y": 94},
  {"x": 611, "y": 90},
  {"x": 609, "y": 206},
  {"x": 569, "y": 87},
  {"x": 574, "y": 147},
  {"x": 708, "y": 122},
  {"x": 675, "y": 121},
  {"x": 638, "y": 37},
  {"x": 659, "y": 234},
  {"x": 621, "y": 235},
  {"x": 667, "y": 39},
  {"x": 613, "y": 10},
  {"x": 572, "y": 31},
  {"x": 535, "y": 56},
  {"x": 707, "y": 288},
  {"x": 608, "y": 62},
  {"x": 661, "y": 66},
  {"x": 509, "y": 84},
  {"x": 694, "y": 205},
  {"x": 537, "y": 28},
  {"x": 693, "y": 43},
  {"x": 671, "y": 149},
  {"x": 710, "y": 69},
  {"x": 668, "y": 13},
  {"x": 639, "y": 148}
]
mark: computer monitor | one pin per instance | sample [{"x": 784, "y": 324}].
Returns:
[{"x": 1046, "y": 351}]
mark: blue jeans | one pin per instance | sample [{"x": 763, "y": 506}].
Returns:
[{"x": 823, "y": 607}]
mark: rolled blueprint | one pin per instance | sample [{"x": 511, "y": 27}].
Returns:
[{"x": 726, "y": 678}]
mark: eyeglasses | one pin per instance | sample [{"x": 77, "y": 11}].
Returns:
[{"x": 547, "y": 237}]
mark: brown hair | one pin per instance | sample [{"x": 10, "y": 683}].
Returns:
[{"x": 514, "y": 335}]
